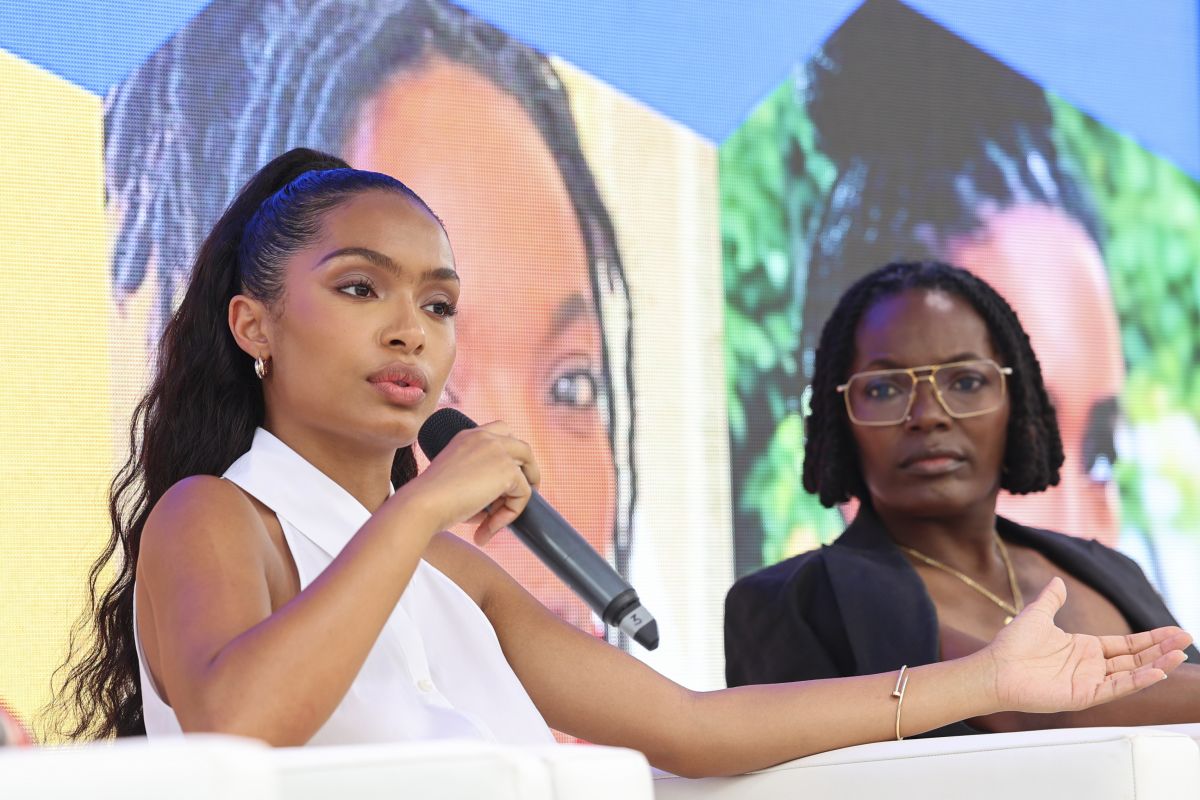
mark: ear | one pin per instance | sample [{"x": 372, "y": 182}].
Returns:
[{"x": 250, "y": 324}]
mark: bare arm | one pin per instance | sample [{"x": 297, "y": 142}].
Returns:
[
  {"x": 227, "y": 662},
  {"x": 594, "y": 691},
  {"x": 230, "y": 664}
]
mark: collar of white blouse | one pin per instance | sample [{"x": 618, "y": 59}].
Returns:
[{"x": 307, "y": 498}]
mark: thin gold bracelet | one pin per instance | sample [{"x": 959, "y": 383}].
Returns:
[{"x": 898, "y": 693}]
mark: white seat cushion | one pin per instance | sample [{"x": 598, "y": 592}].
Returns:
[
  {"x": 592, "y": 772},
  {"x": 429, "y": 770},
  {"x": 197, "y": 767},
  {"x": 457, "y": 769},
  {"x": 1191, "y": 729},
  {"x": 1096, "y": 763}
]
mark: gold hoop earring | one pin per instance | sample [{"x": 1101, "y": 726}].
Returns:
[{"x": 260, "y": 368}]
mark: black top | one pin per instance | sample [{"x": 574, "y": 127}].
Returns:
[{"x": 858, "y": 607}]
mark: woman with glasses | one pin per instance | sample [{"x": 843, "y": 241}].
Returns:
[{"x": 927, "y": 400}]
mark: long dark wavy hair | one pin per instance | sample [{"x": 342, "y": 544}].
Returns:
[{"x": 199, "y": 414}]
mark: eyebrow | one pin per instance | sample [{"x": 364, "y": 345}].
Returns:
[
  {"x": 385, "y": 262},
  {"x": 884, "y": 362},
  {"x": 573, "y": 308}
]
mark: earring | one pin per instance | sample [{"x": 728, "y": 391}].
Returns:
[{"x": 260, "y": 368}]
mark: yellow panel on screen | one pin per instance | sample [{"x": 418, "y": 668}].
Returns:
[{"x": 55, "y": 449}]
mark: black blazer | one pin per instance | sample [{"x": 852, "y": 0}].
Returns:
[{"x": 858, "y": 607}]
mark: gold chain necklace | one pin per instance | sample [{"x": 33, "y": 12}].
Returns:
[{"x": 1012, "y": 609}]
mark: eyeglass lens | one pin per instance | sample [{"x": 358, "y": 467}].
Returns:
[{"x": 965, "y": 389}]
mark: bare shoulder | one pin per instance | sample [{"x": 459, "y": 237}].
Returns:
[
  {"x": 468, "y": 566},
  {"x": 201, "y": 521}
]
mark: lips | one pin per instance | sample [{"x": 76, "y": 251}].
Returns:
[
  {"x": 933, "y": 461},
  {"x": 402, "y": 384}
]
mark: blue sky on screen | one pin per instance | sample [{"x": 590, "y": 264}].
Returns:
[{"x": 705, "y": 64}]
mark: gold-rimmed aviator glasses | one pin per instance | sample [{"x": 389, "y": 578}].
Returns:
[{"x": 963, "y": 388}]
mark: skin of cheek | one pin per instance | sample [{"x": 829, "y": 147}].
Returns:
[
  {"x": 1072, "y": 326},
  {"x": 918, "y": 327},
  {"x": 342, "y": 401},
  {"x": 890, "y": 488}
]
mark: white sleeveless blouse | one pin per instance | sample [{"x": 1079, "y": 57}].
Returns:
[{"x": 436, "y": 671}]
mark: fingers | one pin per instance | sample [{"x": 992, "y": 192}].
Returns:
[
  {"x": 1128, "y": 663},
  {"x": 533, "y": 473},
  {"x": 1134, "y": 672},
  {"x": 504, "y": 510},
  {"x": 522, "y": 453},
  {"x": 1126, "y": 683},
  {"x": 1137, "y": 642},
  {"x": 483, "y": 533},
  {"x": 1167, "y": 662},
  {"x": 486, "y": 476},
  {"x": 498, "y": 427},
  {"x": 1123, "y": 653},
  {"x": 1050, "y": 599},
  {"x": 499, "y": 515},
  {"x": 517, "y": 449}
]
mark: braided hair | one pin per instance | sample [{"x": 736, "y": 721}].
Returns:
[
  {"x": 930, "y": 136},
  {"x": 1033, "y": 450}
]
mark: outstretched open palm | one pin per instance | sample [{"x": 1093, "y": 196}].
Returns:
[{"x": 1041, "y": 668}]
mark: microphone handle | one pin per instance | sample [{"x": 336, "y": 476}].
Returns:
[{"x": 582, "y": 569}]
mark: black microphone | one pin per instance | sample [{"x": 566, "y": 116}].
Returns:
[{"x": 559, "y": 546}]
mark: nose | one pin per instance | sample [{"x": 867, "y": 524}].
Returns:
[
  {"x": 926, "y": 411},
  {"x": 406, "y": 332}
]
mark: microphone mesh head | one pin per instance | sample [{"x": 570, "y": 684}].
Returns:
[{"x": 440, "y": 428}]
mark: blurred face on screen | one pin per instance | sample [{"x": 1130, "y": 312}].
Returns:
[
  {"x": 1048, "y": 268},
  {"x": 529, "y": 341}
]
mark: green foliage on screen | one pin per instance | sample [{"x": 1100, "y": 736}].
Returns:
[
  {"x": 1151, "y": 215},
  {"x": 772, "y": 182}
]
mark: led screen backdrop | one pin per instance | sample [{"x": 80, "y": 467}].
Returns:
[
  {"x": 643, "y": 276},
  {"x": 898, "y": 140}
]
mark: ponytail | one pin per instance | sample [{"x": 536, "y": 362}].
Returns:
[{"x": 198, "y": 416}]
